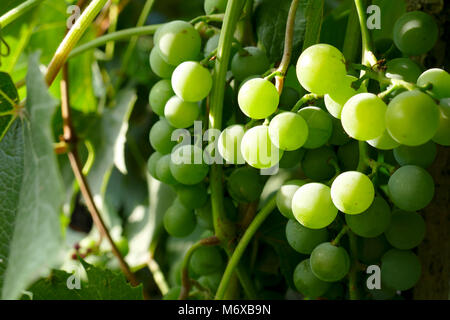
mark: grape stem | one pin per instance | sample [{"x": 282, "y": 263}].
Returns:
[
  {"x": 242, "y": 246},
  {"x": 341, "y": 233},
  {"x": 305, "y": 99},
  {"x": 209, "y": 18},
  {"x": 368, "y": 58},
  {"x": 18, "y": 11}
]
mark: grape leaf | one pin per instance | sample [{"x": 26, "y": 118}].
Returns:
[
  {"x": 8, "y": 99},
  {"x": 102, "y": 284},
  {"x": 30, "y": 192},
  {"x": 314, "y": 19}
]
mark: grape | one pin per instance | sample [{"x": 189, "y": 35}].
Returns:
[
  {"x": 163, "y": 170},
  {"x": 244, "y": 185},
  {"x": 160, "y": 93},
  {"x": 192, "y": 197},
  {"x": 422, "y": 156},
  {"x": 412, "y": 118},
  {"x": 415, "y": 33},
  {"x": 307, "y": 283},
  {"x": 288, "y": 98},
  {"x": 338, "y": 136},
  {"x": 151, "y": 163},
  {"x": 406, "y": 231},
  {"x": 411, "y": 188},
  {"x": 258, "y": 150},
  {"x": 335, "y": 102},
  {"x": 442, "y": 135},
  {"x": 181, "y": 114},
  {"x": 285, "y": 195},
  {"x": 211, "y": 281},
  {"x": 372, "y": 222},
  {"x": 204, "y": 216},
  {"x": 178, "y": 221},
  {"x": 370, "y": 250},
  {"x": 249, "y": 62},
  {"x": 178, "y": 41},
  {"x": 321, "y": 69},
  {"x": 363, "y": 116},
  {"x": 329, "y": 263},
  {"x": 206, "y": 260},
  {"x": 161, "y": 68},
  {"x": 229, "y": 144},
  {"x": 384, "y": 142},
  {"x": 352, "y": 192},
  {"x": 215, "y": 6},
  {"x": 403, "y": 69},
  {"x": 291, "y": 159},
  {"x": 312, "y": 206},
  {"x": 191, "y": 82},
  {"x": 316, "y": 163},
  {"x": 187, "y": 165},
  {"x": 400, "y": 269},
  {"x": 161, "y": 135},
  {"x": 258, "y": 98},
  {"x": 288, "y": 131},
  {"x": 440, "y": 79},
  {"x": 348, "y": 156},
  {"x": 320, "y": 126},
  {"x": 302, "y": 239},
  {"x": 211, "y": 45},
  {"x": 391, "y": 11}
]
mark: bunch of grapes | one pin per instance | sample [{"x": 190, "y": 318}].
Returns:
[{"x": 358, "y": 150}]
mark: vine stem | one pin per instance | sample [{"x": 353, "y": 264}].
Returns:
[
  {"x": 71, "y": 39},
  {"x": 341, "y": 233},
  {"x": 242, "y": 245},
  {"x": 18, "y": 11}
]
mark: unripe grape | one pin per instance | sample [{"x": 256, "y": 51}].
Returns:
[
  {"x": 288, "y": 131},
  {"x": 329, "y": 263},
  {"x": 406, "y": 231},
  {"x": 151, "y": 163},
  {"x": 187, "y": 165},
  {"x": 244, "y": 185},
  {"x": 403, "y": 69},
  {"x": 422, "y": 155},
  {"x": 163, "y": 170},
  {"x": 285, "y": 195},
  {"x": 160, "y": 93},
  {"x": 440, "y": 80},
  {"x": 192, "y": 197},
  {"x": 302, "y": 239},
  {"x": 249, "y": 62},
  {"x": 229, "y": 144},
  {"x": 258, "y": 98},
  {"x": 215, "y": 6},
  {"x": 206, "y": 260},
  {"x": 178, "y": 221},
  {"x": 316, "y": 163},
  {"x": 160, "y": 67},
  {"x": 161, "y": 135},
  {"x": 320, "y": 126},
  {"x": 180, "y": 113},
  {"x": 384, "y": 142},
  {"x": 442, "y": 135},
  {"x": 307, "y": 283},
  {"x": 400, "y": 269},
  {"x": 191, "y": 82}
]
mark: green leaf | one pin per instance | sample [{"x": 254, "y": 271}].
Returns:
[
  {"x": 8, "y": 99},
  {"x": 30, "y": 193},
  {"x": 102, "y": 284},
  {"x": 314, "y": 19}
]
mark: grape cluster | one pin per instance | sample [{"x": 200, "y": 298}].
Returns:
[{"x": 320, "y": 140}]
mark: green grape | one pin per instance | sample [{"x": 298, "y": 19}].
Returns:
[
  {"x": 411, "y": 188},
  {"x": 211, "y": 281},
  {"x": 320, "y": 126},
  {"x": 335, "y": 102},
  {"x": 400, "y": 269},
  {"x": 338, "y": 136},
  {"x": 412, "y": 118},
  {"x": 178, "y": 41},
  {"x": 384, "y": 142},
  {"x": 307, "y": 283},
  {"x": 211, "y": 45},
  {"x": 352, "y": 192},
  {"x": 391, "y": 11},
  {"x": 422, "y": 156},
  {"x": 187, "y": 165},
  {"x": 160, "y": 93},
  {"x": 316, "y": 164},
  {"x": 372, "y": 222},
  {"x": 206, "y": 260},
  {"x": 288, "y": 131},
  {"x": 291, "y": 159},
  {"x": 249, "y": 62},
  {"x": 348, "y": 156},
  {"x": 181, "y": 114},
  {"x": 192, "y": 197},
  {"x": 204, "y": 216},
  {"x": 179, "y": 221},
  {"x": 440, "y": 80},
  {"x": 161, "y": 135},
  {"x": 161, "y": 68},
  {"x": 258, "y": 98},
  {"x": 329, "y": 263},
  {"x": 321, "y": 69},
  {"x": 215, "y": 6},
  {"x": 406, "y": 231},
  {"x": 191, "y": 82},
  {"x": 415, "y": 33},
  {"x": 403, "y": 69},
  {"x": 258, "y": 150},
  {"x": 285, "y": 195},
  {"x": 370, "y": 250},
  {"x": 229, "y": 144},
  {"x": 151, "y": 163},
  {"x": 163, "y": 170},
  {"x": 442, "y": 135},
  {"x": 288, "y": 98},
  {"x": 302, "y": 239},
  {"x": 312, "y": 206},
  {"x": 363, "y": 116},
  {"x": 244, "y": 185}
]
